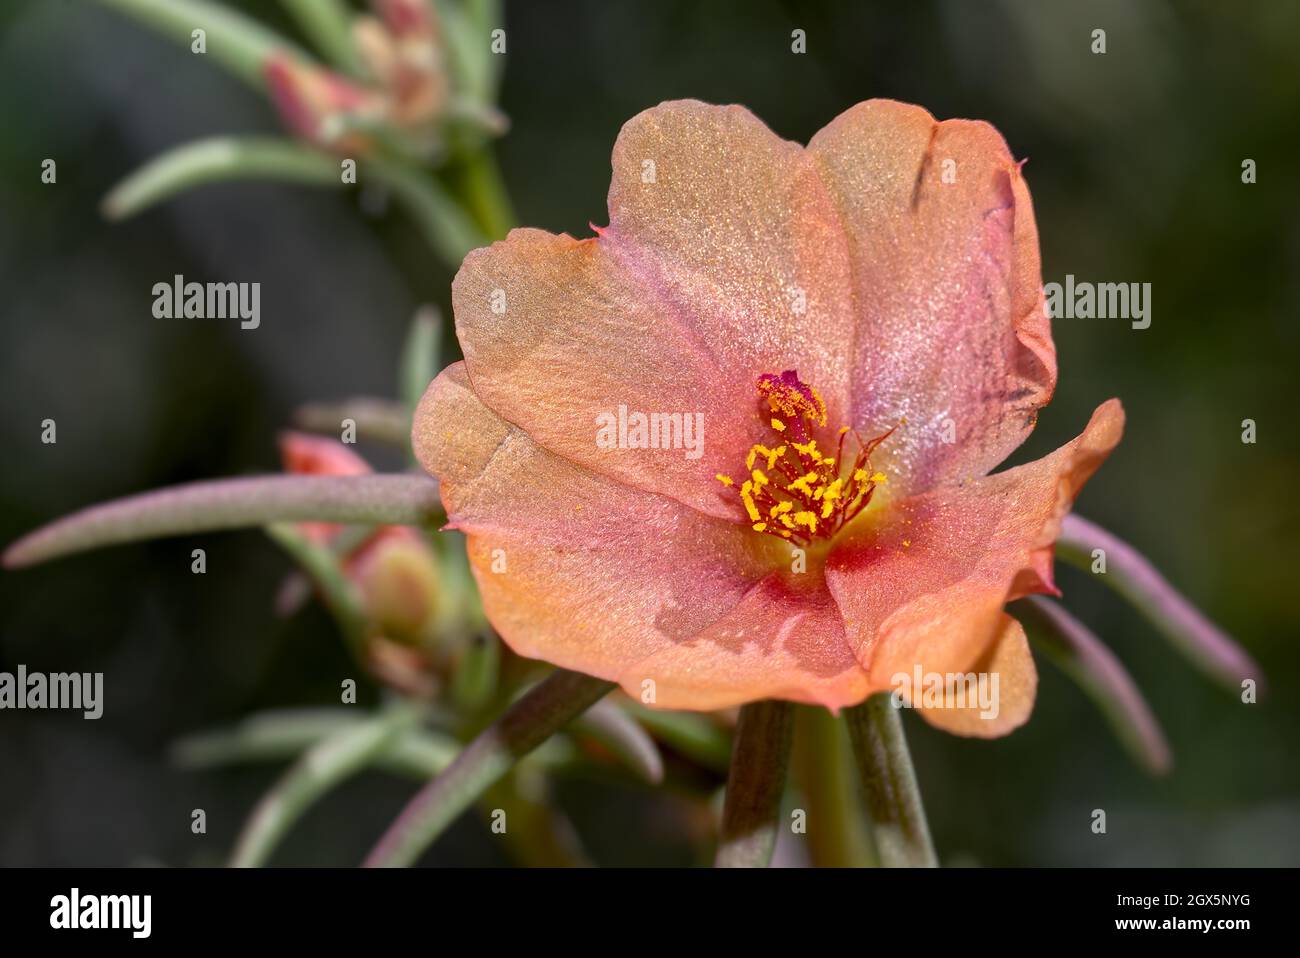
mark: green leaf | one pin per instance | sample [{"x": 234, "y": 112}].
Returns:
[
  {"x": 239, "y": 43},
  {"x": 1094, "y": 667},
  {"x": 469, "y": 44},
  {"x": 216, "y": 160},
  {"x": 325, "y": 569},
  {"x": 529, "y": 722},
  {"x": 421, "y": 356},
  {"x": 233, "y": 504},
  {"x": 760, "y": 758},
  {"x": 612, "y": 728},
  {"x": 328, "y": 24},
  {"x": 695, "y": 736},
  {"x": 378, "y": 420},
  {"x": 326, "y": 764},
  {"x": 1130, "y": 574},
  {"x": 898, "y": 824},
  {"x": 282, "y": 734},
  {"x": 475, "y": 678}
]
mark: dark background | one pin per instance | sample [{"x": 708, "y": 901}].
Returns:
[{"x": 1135, "y": 167}]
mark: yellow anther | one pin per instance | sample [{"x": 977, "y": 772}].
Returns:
[
  {"x": 801, "y": 484},
  {"x": 821, "y": 501},
  {"x": 808, "y": 448}
]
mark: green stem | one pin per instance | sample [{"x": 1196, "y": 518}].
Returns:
[
  {"x": 328, "y": 24},
  {"x": 837, "y": 829},
  {"x": 325, "y": 569},
  {"x": 327, "y": 763},
  {"x": 233, "y": 504},
  {"x": 481, "y": 183},
  {"x": 760, "y": 756},
  {"x": 447, "y": 228},
  {"x": 542, "y": 712},
  {"x": 898, "y": 822}
]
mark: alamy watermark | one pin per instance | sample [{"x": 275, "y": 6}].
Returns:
[
  {"x": 53, "y": 690},
  {"x": 946, "y": 690},
  {"x": 1084, "y": 300},
  {"x": 656, "y": 430},
  {"x": 181, "y": 300},
  {"x": 77, "y": 911}
]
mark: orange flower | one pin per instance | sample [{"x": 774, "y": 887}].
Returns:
[{"x": 855, "y": 330}]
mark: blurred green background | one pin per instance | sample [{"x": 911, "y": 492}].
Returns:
[{"x": 1135, "y": 166}]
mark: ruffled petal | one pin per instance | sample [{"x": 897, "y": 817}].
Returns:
[
  {"x": 1005, "y": 682},
  {"x": 589, "y": 574},
  {"x": 952, "y": 335},
  {"x": 737, "y": 229},
  {"x": 784, "y": 640},
  {"x": 724, "y": 259},
  {"x": 923, "y": 582}
]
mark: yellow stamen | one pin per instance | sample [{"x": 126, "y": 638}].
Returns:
[{"x": 818, "y": 501}]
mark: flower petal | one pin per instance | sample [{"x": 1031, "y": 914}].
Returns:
[
  {"x": 724, "y": 260},
  {"x": 592, "y": 575},
  {"x": 737, "y": 229},
  {"x": 951, "y": 329},
  {"x": 556, "y": 335},
  {"x": 925, "y": 583},
  {"x": 1008, "y": 662},
  {"x": 310, "y": 455},
  {"x": 784, "y": 640}
]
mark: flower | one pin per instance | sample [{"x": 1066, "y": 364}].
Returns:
[
  {"x": 874, "y": 299},
  {"x": 322, "y": 107},
  {"x": 406, "y": 92}
]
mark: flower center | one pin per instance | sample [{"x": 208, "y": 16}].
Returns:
[{"x": 795, "y": 491}]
